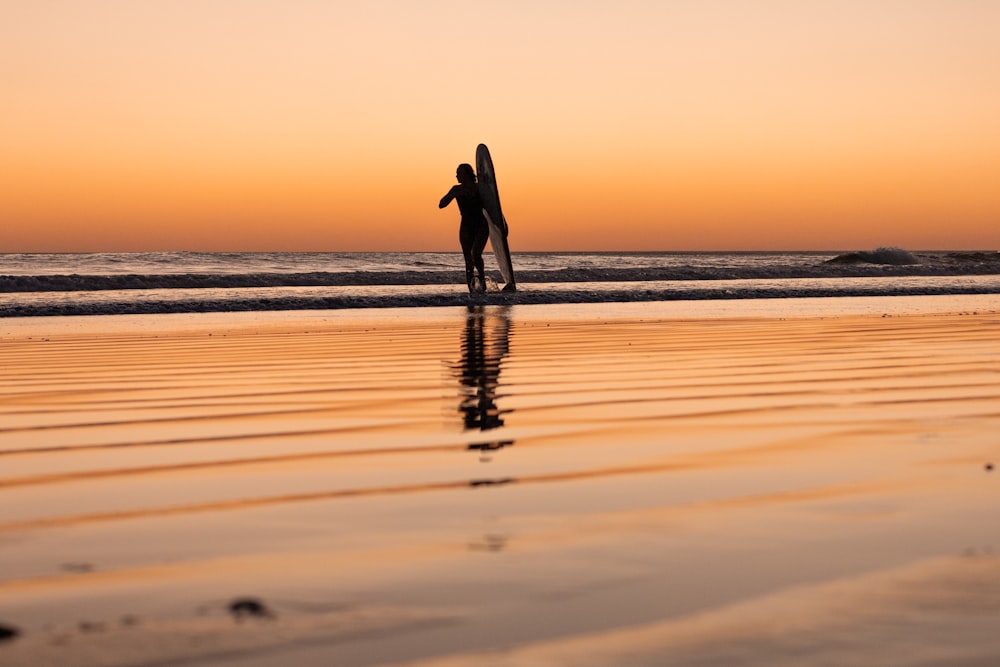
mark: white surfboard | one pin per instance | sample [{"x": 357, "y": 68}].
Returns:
[{"x": 487, "y": 180}]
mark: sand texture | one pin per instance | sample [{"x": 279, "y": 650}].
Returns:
[{"x": 527, "y": 485}]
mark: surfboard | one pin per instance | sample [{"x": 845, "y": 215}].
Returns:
[{"x": 487, "y": 180}]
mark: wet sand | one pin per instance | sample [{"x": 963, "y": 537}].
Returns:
[{"x": 778, "y": 482}]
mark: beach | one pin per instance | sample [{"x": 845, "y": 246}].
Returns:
[{"x": 755, "y": 482}]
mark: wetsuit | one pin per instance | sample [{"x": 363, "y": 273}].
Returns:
[{"x": 473, "y": 231}]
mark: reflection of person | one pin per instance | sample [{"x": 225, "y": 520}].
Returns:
[
  {"x": 483, "y": 349},
  {"x": 474, "y": 229}
]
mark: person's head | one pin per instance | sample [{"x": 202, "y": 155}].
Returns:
[{"x": 465, "y": 174}]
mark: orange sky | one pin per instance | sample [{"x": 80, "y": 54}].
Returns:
[{"x": 643, "y": 125}]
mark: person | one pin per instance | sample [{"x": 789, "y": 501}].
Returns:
[{"x": 473, "y": 230}]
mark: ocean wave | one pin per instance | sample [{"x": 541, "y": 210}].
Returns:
[
  {"x": 893, "y": 256},
  {"x": 880, "y": 262},
  {"x": 95, "y": 283},
  {"x": 75, "y": 282}
]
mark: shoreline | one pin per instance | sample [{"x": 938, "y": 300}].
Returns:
[
  {"x": 227, "y": 300},
  {"x": 735, "y": 308}
]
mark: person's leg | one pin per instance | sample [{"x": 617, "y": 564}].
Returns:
[
  {"x": 477, "y": 254},
  {"x": 468, "y": 241}
]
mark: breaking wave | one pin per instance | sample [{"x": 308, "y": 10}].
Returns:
[{"x": 891, "y": 256}]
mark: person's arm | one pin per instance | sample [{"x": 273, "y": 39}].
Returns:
[{"x": 447, "y": 198}]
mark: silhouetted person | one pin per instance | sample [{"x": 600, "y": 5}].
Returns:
[{"x": 474, "y": 229}]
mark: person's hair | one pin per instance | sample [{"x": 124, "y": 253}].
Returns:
[{"x": 466, "y": 174}]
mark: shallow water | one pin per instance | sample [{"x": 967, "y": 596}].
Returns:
[{"x": 413, "y": 484}]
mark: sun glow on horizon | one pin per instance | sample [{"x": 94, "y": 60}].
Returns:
[{"x": 633, "y": 126}]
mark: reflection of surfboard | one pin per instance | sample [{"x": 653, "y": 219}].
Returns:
[{"x": 487, "y": 180}]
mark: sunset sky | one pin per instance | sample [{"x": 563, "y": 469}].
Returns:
[{"x": 614, "y": 125}]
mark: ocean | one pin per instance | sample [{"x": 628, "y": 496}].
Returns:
[{"x": 181, "y": 282}]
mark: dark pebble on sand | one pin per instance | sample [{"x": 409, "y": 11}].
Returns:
[
  {"x": 8, "y": 632},
  {"x": 241, "y": 607},
  {"x": 91, "y": 626},
  {"x": 77, "y": 567}
]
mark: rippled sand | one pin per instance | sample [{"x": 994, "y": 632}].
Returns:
[{"x": 753, "y": 483}]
